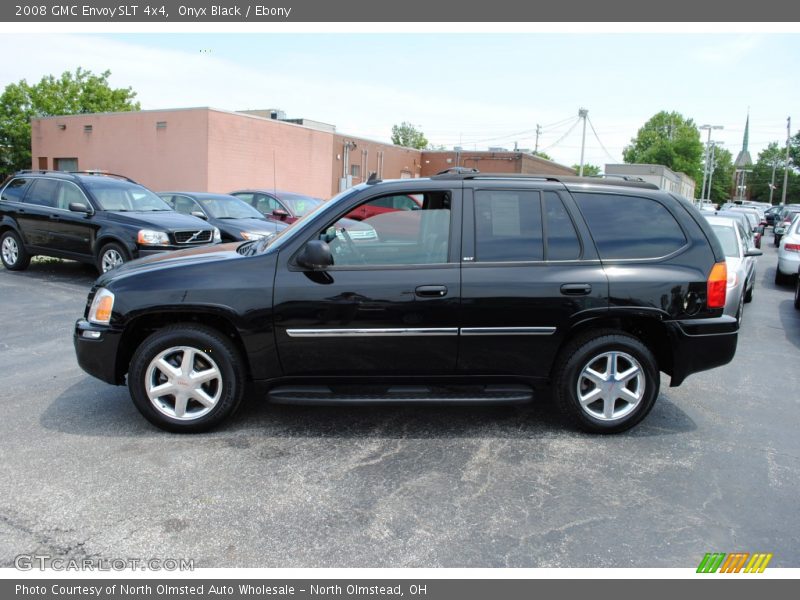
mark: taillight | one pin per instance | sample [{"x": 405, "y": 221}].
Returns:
[
  {"x": 716, "y": 284},
  {"x": 792, "y": 247}
]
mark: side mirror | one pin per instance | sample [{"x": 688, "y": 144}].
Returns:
[
  {"x": 753, "y": 252},
  {"x": 315, "y": 256},
  {"x": 199, "y": 214},
  {"x": 280, "y": 213},
  {"x": 79, "y": 207}
]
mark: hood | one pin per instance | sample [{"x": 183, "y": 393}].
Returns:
[
  {"x": 173, "y": 259},
  {"x": 166, "y": 219},
  {"x": 235, "y": 226}
]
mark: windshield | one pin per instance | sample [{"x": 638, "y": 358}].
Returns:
[
  {"x": 123, "y": 196},
  {"x": 223, "y": 207},
  {"x": 299, "y": 205},
  {"x": 727, "y": 237}
]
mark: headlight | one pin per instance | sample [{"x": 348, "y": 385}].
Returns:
[
  {"x": 149, "y": 237},
  {"x": 217, "y": 235},
  {"x": 102, "y": 305},
  {"x": 253, "y": 235}
]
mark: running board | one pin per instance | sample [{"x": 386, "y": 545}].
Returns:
[{"x": 407, "y": 394}]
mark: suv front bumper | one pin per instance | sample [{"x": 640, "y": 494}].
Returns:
[
  {"x": 96, "y": 349},
  {"x": 701, "y": 344}
]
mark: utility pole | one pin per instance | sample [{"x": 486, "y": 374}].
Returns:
[
  {"x": 583, "y": 113},
  {"x": 538, "y": 132},
  {"x": 708, "y": 156},
  {"x": 772, "y": 183},
  {"x": 786, "y": 166}
]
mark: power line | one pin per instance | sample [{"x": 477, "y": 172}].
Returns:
[
  {"x": 598, "y": 140},
  {"x": 561, "y": 139}
]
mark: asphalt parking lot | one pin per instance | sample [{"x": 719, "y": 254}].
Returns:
[{"x": 714, "y": 468}]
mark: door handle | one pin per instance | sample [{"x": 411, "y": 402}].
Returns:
[
  {"x": 576, "y": 289},
  {"x": 55, "y": 218},
  {"x": 431, "y": 291}
]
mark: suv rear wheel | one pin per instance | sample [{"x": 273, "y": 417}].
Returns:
[
  {"x": 186, "y": 378},
  {"x": 13, "y": 253},
  {"x": 111, "y": 256},
  {"x": 606, "y": 382}
]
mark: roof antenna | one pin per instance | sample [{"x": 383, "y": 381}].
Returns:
[
  {"x": 373, "y": 178},
  {"x": 274, "y": 185}
]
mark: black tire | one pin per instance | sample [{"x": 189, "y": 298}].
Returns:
[
  {"x": 780, "y": 278},
  {"x": 748, "y": 295},
  {"x": 588, "y": 350},
  {"x": 210, "y": 350},
  {"x": 13, "y": 253},
  {"x": 797, "y": 294},
  {"x": 109, "y": 252},
  {"x": 776, "y": 240}
]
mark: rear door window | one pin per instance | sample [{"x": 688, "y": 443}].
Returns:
[
  {"x": 630, "y": 227},
  {"x": 562, "y": 239},
  {"x": 15, "y": 190},
  {"x": 508, "y": 226},
  {"x": 44, "y": 192}
]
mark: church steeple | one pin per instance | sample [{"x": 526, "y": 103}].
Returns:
[{"x": 743, "y": 159}]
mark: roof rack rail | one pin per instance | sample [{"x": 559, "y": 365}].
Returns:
[
  {"x": 458, "y": 171},
  {"x": 86, "y": 172},
  {"x": 565, "y": 179}
]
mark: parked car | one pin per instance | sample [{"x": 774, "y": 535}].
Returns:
[
  {"x": 389, "y": 204},
  {"x": 288, "y": 207},
  {"x": 510, "y": 284},
  {"x": 235, "y": 219},
  {"x": 753, "y": 237},
  {"x": 741, "y": 263},
  {"x": 782, "y": 222},
  {"x": 789, "y": 253},
  {"x": 770, "y": 213},
  {"x": 96, "y": 218}
]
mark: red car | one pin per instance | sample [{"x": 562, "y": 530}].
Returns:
[{"x": 385, "y": 205}]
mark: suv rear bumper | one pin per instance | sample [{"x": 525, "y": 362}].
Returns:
[
  {"x": 96, "y": 349},
  {"x": 701, "y": 344}
]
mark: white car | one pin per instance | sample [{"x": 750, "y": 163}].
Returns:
[
  {"x": 789, "y": 253},
  {"x": 741, "y": 262}
]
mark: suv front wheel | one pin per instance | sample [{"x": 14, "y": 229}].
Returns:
[
  {"x": 111, "y": 256},
  {"x": 606, "y": 382},
  {"x": 186, "y": 378},
  {"x": 13, "y": 253}
]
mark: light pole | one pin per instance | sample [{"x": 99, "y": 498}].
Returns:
[
  {"x": 712, "y": 165},
  {"x": 708, "y": 156},
  {"x": 772, "y": 183},
  {"x": 786, "y": 166},
  {"x": 583, "y": 113}
]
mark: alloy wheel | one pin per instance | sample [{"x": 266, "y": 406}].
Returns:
[
  {"x": 183, "y": 383},
  {"x": 10, "y": 250},
  {"x": 111, "y": 259},
  {"x": 611, "y": 385}
]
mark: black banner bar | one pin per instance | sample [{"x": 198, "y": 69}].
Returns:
[
  {"x": 338, "y": 11},
  {"x": 427, "y": 589}
]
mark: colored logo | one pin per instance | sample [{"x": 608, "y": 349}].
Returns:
[{"x": 738, "y": 562}]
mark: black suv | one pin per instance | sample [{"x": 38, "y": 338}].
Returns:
[
  {"x": 495, "y": 286},
  {"x": 97, "y": 218}
]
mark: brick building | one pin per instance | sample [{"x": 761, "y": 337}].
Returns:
[{"x": 205, "y": 149}]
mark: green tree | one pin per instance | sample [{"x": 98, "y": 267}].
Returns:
[
  {"x": 588, "y": 170},
  {"x": 409, "y": 136},
  {"x": 760, "y": 179},
  {"x": 722, "y": 179},
  {"x": 71, "y": 93},
  {"x": 671, "y": 140}
]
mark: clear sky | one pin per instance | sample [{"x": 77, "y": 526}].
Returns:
[{"x": 476, "y": 90}]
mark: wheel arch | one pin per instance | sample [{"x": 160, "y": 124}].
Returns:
[
  {"x": 143, "y": 325},
  {"x": 650, "y": 330}
]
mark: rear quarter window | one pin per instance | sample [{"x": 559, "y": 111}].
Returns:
[
  {"x": 15, "y": 189},
  {"x": 630, "y": 227}
]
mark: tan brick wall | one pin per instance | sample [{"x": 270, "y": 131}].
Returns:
[
  {"x": 243, "y": 150},
  {"x": 491, "y": 162},
  {"x": 397, "y": 162},
  {"x": 130, "y": 144}
]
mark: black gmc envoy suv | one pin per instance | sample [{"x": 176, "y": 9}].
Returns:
[
  {"x": 496, "y": 287},
  {"x": 92, "y": 217}
]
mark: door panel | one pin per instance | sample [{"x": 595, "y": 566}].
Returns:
[{"x": 386, "y": 306}]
